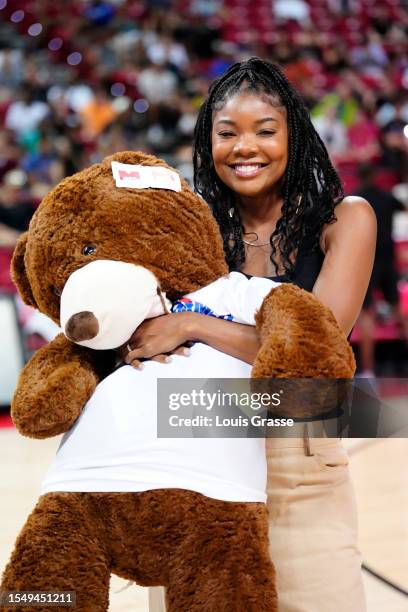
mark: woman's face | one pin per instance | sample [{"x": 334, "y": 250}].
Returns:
[{"x": 250, "y": 145}]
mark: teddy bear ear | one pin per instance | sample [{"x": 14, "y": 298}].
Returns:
[{"x": 18, "y": 271}]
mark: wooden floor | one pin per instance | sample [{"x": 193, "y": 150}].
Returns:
[{"x": 380, "y": 472}]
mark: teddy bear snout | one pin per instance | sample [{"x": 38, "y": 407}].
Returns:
[
  {"x": 103, "y": 302},
  {"x": 82, "y": 326}
]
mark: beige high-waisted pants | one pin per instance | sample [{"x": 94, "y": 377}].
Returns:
[{"x": 312, "y": 528}]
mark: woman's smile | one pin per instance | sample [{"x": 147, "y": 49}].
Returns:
[{"x": 247, "y": 170}]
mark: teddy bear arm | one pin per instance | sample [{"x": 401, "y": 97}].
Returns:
[
  {"x": 301, "y": 340},
  {"x": 54, "y": 387},
  {"x": 300, "y": 337}
]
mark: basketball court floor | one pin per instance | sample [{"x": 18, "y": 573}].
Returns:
[{"x": 379, "y": 469}]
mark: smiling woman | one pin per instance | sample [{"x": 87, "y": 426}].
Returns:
[{"x": 279, "y": 203}]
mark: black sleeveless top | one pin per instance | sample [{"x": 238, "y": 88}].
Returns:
[{"x": 308, "y": 264}]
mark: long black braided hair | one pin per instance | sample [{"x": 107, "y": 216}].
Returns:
[{"x": 311, "y": 187}]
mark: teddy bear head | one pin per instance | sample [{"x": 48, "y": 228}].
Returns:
[{"x": 111, "y": 242}]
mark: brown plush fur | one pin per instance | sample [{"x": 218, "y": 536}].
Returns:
[
  {"x": 211, "y": 555},
  {"x": 55, "y": 385},
  {"x": 295, "y": 328}
]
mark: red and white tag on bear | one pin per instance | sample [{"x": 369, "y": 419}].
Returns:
[{"x": 142, "y": 177}]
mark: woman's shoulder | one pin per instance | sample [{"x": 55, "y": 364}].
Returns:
[
  {"x": 355, "y": 218},
  {"x": 351, "y": 206}
]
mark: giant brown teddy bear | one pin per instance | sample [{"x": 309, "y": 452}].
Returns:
[{"x": 211, "y": 555}]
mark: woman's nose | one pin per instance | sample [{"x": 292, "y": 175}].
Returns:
[{"x": 245, "y": 145}]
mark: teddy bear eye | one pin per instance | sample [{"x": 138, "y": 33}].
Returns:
[
  {"x": 89, "y": 249},
  {"x": 56, "y": 290}
]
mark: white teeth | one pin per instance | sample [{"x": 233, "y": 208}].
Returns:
[{"x": 247, "y": 169}]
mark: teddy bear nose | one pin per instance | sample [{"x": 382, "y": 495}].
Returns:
[{"x": 82, "y": 326}]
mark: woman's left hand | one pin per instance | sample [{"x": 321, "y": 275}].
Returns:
[{"x": 156, "y": 338}]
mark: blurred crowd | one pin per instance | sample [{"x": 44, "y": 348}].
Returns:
[{"x": 82, "y": 79}]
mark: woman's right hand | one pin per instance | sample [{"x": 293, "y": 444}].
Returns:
[{"x": 159, "y": 338}]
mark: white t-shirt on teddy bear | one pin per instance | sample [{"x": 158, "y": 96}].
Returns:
[{"x": 113, "y": 447}]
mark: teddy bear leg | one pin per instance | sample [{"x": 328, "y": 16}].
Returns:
[
  {"x": 57, "y": 550},
  {"x": 223, "y": 564}
]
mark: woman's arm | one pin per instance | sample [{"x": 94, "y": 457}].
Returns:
[
  {"x": 164, "y": 334},
  {"x": 349, "y": 247}
]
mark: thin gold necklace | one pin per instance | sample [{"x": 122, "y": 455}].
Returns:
[{"x": 255, "y": 245}]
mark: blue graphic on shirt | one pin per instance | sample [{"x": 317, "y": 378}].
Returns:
[{"x": 187, "y": 305}]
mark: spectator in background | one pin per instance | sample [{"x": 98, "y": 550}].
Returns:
[
  {"x": 188, "y": 118},
  {"x": 384, "y": 276},
  {"x": 333, "y": 132},
  {"x": 363, "y": 137},
  {"x": 394, "y": 142},
  {"x": 206, "y": 8},
  {"x": 370, "y": 57},
  {"x": 40, "y": 164},
  {"x": 347, "y": 94},
  {"x": 393, "y": 109},
  {"x": 11, "y": 67},
  {"x": 297, "y": 10},
  {"x": 10, "y": 153},
  {"x": 25, "y": 113},
  {"x": 16, "y": 210},
  {"x": 97, "y": 114},
  {"x": 166, "y": 49},
  {"x": 157, "y": 83},
  {"x": 99, "y": 13}
]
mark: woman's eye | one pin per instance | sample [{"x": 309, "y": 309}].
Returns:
[
  {"x": 89, "y": 249},
  {"x": 267, "y": 132},
  {"x": 226, "y": 134}
]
